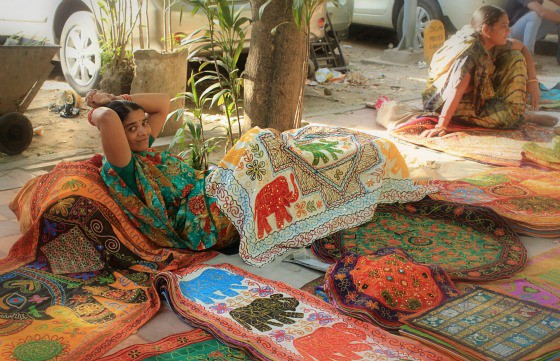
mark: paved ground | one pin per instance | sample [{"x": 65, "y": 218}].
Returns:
[{"x": 424, "y": 163}]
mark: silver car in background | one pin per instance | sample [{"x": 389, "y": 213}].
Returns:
[
  {"x": 72, "y": 25},
  {"x": 389, "y": 14}
]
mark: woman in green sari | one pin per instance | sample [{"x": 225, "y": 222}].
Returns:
[
  {"x": 482, "y": 78},
  {"x": 158, "y": 191}
]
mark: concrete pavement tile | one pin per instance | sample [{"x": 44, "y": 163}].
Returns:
[
  {"x": 7, "y": 195},
  {"x": 7, "y": 242},
  {"x": 9, "y": 228},
  {"x": 7, "y": 182},
  {"x": 6, "y": 212}
]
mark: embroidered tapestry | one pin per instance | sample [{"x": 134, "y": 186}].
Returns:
[
  {"x": 273, "y": 321},
  {"x": 283, "y": 191},
  {"x": 468, "y": 242},
  {"x": 486, "y": 324},
  {"x": 383, "y": 287},
  {"x": 491, "y": 146},
  {"x": 539, "y": 282},
  {"x": 79, "y": 280},
  {"x": 195, "y": 345},
  {"x": 543, "y": 157},
  {"x": 528, "y": 199}
]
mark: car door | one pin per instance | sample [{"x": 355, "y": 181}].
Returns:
[
  {"x": 28, "y": 18},
  {"x": 373, "y": 13}
]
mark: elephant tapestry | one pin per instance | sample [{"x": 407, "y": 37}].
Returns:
[
  {"x": 273, "y": 321},
  {"x": 286, "y": 190}
]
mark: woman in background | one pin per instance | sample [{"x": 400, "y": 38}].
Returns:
[{"x": 480, "y": 77}]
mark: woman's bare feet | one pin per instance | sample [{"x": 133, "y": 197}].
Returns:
[{"x": 541, "y": 119}]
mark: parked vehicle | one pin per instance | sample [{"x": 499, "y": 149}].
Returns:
[
  {"x": 72, "y": 25},
  {"x": 389, "y": 14}
]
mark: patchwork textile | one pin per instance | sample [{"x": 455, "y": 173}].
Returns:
[
  {"x": 194, "y": 345},
  {"x": 385, "y": 286},
  {"x": 539, "y": 282},
  {"x": 468, "y": 242},
  {"x": 484, "y": 324},
  {"x": 547, "y": 158},
  {"x": 492, "y": 146},
  {"x": 79, "y": 280},
  {"x": 528, "y": 199},
  {"x": 273, "y": 321},
  {"x": 283, "y": 191}
]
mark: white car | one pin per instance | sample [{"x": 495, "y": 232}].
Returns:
[
  {"x": 389, "y": 14},
  {"x": 72, "y": 25}
]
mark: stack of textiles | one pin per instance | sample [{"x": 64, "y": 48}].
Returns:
[
  {"x": 550, "y": 97},
  {"x": 501, "y": 147},
  {"x": 80, "y": 278},
  {"x": 314, "y": 180},
  {"x": 528, "y": 199},
  {"x": 384, "y": 287},
  {"x": 487, "y": 325},
  {"x": 468, "y": 242},
  {"x": 547, "y": 158},
  {"x": 270, "y": 320}
]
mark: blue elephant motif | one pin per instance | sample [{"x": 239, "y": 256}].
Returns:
[{"x": 210, "y": 281}]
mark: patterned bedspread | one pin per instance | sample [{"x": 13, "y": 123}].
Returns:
[{"x": 285, "y": 190}]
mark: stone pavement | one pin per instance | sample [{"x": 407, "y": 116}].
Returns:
[{"x": 424, "y": 163}]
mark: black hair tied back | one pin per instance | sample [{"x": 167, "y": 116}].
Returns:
[{"x": 123, "y": 108}]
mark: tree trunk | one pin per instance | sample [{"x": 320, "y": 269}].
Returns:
[{"x": 276, "y": 67}]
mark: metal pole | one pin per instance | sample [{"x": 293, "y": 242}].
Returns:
[{"x": 409, "y": 25}]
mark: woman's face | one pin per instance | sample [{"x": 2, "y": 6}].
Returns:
[
  {"x": 137, "y": 130},
  {"x": 499, "y": 32}
]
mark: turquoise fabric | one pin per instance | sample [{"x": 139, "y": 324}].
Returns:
[{"x": 171, "y": 207}]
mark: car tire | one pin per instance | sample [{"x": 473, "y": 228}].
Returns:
[
  {"x": 80, "y": 55},
  {"x": 16, "y": 133},
  {"x": 426, "y": 10}
]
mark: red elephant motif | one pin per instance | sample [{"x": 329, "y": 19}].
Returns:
[
  {"x": 336, "y": 343},
  {"x": 274, "y": 198}
]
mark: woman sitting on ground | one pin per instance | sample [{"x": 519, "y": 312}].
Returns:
[
  {"x": 480, "y": 77},
  {"x": 158, "y": 191}
]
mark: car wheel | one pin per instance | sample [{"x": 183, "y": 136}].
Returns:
[
  {"x": 16, "y": 133},
  {"x": 426, "y": 10},
  {"x": 80, "y": 55}
]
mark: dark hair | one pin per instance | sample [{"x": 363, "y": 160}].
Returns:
[
  {"x": 123, "y": 108},
  {"x": 486, "y": 15}
]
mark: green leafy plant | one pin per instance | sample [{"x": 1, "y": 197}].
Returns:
[
  {"x": 190, "y": 138},
  {"x": 222, "y": 40},
  {"x": 116, "y": 19}
]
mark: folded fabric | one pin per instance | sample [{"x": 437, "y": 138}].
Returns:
[
  {"x": 550, "y": 98},
  {"x": 385, "y": 286},
  {"x": 283, "y": 191},
  {"x": 544, "y": 157},
  {"x": 528, "y": 199},
  {"x": 193, "y": 345},
  {"x": 468, "y": 242},
  {"x": 487, "y": 325},
  {"x": 273, "y": 321}
]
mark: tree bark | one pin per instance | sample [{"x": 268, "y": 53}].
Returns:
[{"x": 276, "y": 67}]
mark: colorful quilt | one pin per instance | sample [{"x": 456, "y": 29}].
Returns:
[
  {"x": 384, "y": 287},
  {"x": 528, "y": 199},
  {"x": 484, "y": 324},
  {"x": 539, "y": 282},
  {"x": 273, "y": 321},
  {"x": 195, "y": 345},
  {"x": 546, "y": 158},
  {"x": 283, "y": 191},
  {"x": 79, "y": 280},
  {"x": 468, "y": 242},
  {"x": 492, "y": 146}
]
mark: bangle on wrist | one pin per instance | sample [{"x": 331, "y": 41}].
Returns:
[
  {"x": 126, "y": 97},
  {"x": 89, "y": 114},
  {"x": 534, "y": 80}
]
